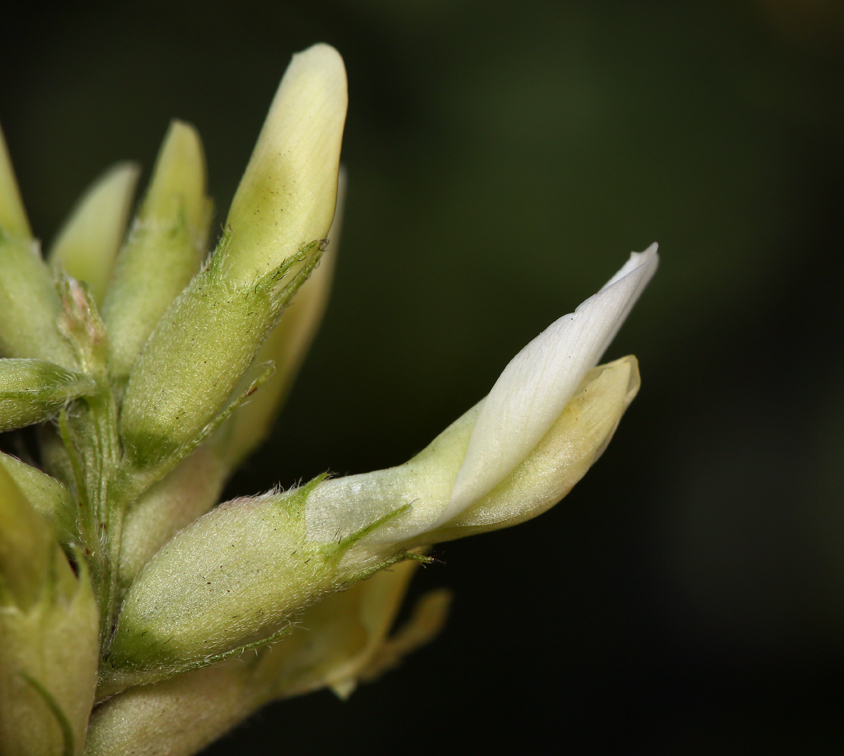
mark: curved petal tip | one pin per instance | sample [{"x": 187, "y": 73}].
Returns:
[{"x": 538, "y": 383}]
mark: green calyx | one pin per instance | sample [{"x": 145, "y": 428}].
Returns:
[
  {"x": 231, "y": 581},
  {"x": 198, "y": 353}
]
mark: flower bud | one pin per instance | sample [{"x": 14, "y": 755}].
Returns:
[
  {"x": 32, "y": 391},
  {"x": 12, "y": 214},
  {"x": 287, "y": 195},
  {"x": 29, "y": 305},
  {"x": 26, "y": 548},
  {"x": 87, "y": 244},
  {"x": 207, "y": 340},
  {"x": 164, "y": 250}
]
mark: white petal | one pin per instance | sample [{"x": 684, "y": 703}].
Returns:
[{"x": 538, "y": 383}]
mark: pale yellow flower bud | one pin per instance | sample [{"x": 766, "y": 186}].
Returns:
[
  {"x": 287, "y": 195},
  {"x": 89, "y": 241},
  {"x": 12, "y": 214}
]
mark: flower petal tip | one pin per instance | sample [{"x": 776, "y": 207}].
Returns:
[{"x": 535, "y": 387}]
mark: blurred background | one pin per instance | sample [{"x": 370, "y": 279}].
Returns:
[{"x": 504, "y": 158}]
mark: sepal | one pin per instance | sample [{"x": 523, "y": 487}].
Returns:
[
  {"x": 232, "y": 580},
  {"x": 198, "y": 353}
]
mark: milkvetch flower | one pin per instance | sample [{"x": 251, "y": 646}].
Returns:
[
  {"x": 336, "y": 643},
  {"x": 481, "y": 450},
  {"x": 88, "y": 243},
  {"x": 287, "y": 550}
]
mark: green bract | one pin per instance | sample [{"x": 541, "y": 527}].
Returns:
[{"x": 152, "y": 366}]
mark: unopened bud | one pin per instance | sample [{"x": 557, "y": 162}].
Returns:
[
  {"x": 26, "y": 548},
  {"x": 29, "y": 304},
  {"x": 287, "y": 194},
  {"x": 165, "y": 248},
  {"x": 88, "y": 243},
  {"x": 13, "y": 218}
]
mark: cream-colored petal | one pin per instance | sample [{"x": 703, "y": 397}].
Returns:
[
  {"x": 538, "y": 383},
  {"x": 287, "y": 195},
  {"x": 13, "y": 218},
  {"x": 563, "y": 456},
  {"x": 90, "y": 239}
]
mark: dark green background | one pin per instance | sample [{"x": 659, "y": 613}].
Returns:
[{"x": 504, "y": 158}]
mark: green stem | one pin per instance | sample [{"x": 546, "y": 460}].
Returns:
[
  {"x": 105, "y": 500},
  {"x": 93, "y": 446}
]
